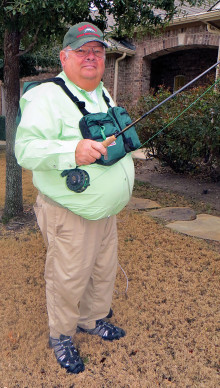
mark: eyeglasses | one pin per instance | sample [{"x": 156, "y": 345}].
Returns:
[{"x": 84, "y": 52}]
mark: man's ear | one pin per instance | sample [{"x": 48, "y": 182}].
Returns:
[{"x": 63, "y": 57}]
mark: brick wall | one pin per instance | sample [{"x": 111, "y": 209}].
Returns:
[
  {"x": 183, "y": 50},
  {"x": 108, "y": 78},
  {"x": 189, "y": 63},
  {"x": 178, "y": 37},
  {"x": 133, "y": 77}
]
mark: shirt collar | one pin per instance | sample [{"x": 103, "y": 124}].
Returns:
[{"x": 70, "y": 83}]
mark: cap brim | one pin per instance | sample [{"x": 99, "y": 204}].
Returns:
[{"x": 85, "y": 40}]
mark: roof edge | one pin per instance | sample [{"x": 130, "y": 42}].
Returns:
[
  {"x": 203, "y": 16},
  {"x": 118, "y": 47}
]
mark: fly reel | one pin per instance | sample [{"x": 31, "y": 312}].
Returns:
[{"x": 76, "y": 180}]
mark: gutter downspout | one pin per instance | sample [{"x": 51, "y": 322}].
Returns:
[
  {"x": 217, "y": 32},
  {"x": 116, "y": 77},
  {"x": 217, "y": 67}
]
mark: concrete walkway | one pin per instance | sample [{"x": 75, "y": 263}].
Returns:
[
  {"x": 204, "y": 226},
  {"x": 180, "y": 219}
]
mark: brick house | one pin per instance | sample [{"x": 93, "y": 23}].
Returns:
[{"x": 187, "y": 47}]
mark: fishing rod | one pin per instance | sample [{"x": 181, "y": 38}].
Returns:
[
  {"x": 112, "y": 138},
  {"x": 78, "y": 180}
]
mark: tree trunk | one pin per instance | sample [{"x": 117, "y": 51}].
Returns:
[{"x": 13, "y": 195}]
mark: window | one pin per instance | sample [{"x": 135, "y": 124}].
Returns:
[{"x": 179, "y": 82}]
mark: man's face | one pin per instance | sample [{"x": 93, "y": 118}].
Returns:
[{"x": 86, "y": 72}]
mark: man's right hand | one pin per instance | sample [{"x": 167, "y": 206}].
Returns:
[{"x": 87, "y": 151}]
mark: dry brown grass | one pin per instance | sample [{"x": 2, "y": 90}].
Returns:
[{"x": 170, "y": 312}]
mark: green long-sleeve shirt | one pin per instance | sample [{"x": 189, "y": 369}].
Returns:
[{"x": 46, "y": 140}]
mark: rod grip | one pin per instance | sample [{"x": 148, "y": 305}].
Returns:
[{"x": 109, "y": 141}]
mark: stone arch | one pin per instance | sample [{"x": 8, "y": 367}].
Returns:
[
  {"x": 187, "y": 62},
  {"x": 182, "y": 50},
  {"x": 177, "y": 38},
  {"x": 197, "y": 47}
]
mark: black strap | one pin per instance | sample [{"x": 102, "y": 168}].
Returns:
[
  {"x": 107, "y": 100},
  {"x": 59, "y": 81},
  {"x": 80, "y": 104}
]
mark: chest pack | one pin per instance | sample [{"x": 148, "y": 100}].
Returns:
[{"x": 99, "y": 126}]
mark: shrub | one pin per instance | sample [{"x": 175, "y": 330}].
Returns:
[
  {"x": 192, "y": 142},
  {"x": 32, "y": 63},
  {"x": 27, "y": 65}
]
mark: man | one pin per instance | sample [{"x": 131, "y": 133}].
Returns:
[{"x": 79, "y": 228}]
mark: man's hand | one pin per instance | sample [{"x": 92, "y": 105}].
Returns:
[{"x": 87, "y": 151}]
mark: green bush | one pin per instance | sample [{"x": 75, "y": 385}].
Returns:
[
  {"x": 30, "y": 63},
  {"x": 192, "y": 142},
  {"x": 2, "y": 128},
  {"x": 27, "y": 65}
]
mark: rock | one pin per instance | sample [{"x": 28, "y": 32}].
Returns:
[
  {"x": 142, "y": 204},
  {"x": 139, "y": 154},
  {"x": 174, "y": 213},
  {"x": 204, "y": 226}
]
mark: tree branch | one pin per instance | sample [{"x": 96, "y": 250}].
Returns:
[{"x": 32, "y": 44}]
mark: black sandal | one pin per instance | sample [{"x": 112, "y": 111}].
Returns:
[
  {"x": 110, "y": 314},
  {"x": 105, "y": 330},
  {"x": 66, "y": 354}
]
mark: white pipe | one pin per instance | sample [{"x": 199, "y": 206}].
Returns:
[
  {"x": 217, "y": 67},
  {"x": 215, "y": 30},
  {"x": 116, "y": 77}
]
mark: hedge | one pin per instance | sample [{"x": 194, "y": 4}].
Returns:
[{"x": 192, "y": 142}]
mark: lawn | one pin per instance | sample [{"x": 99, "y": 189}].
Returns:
[{"x": 170, "y": 311}]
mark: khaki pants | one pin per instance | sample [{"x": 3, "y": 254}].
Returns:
[{"x": 80, "y": 268}]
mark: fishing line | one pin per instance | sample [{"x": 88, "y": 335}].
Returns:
[
  {"x": 112, "y": 138},
  {"x": 152, "y": 137},
  {"x": 78, "y": 180},
  {"x": 74, "y": 179},
  {"x": 126, "y": 280},
  {"x": 171, "y": 122},
  {"x": 185, "y": 110}
]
